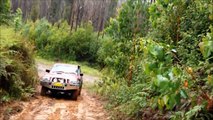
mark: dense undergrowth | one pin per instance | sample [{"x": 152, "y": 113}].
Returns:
[
  {"x": 159, "y": 60},
  {"x": 18, "y": 74}
]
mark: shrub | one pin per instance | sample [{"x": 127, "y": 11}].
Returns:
[
  {"x": 58, "y": 42},
  {"x": 17, "y": 68}
]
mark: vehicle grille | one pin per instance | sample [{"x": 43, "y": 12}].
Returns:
[
  {"x": 54, "y": 79},
  {"x": 56, "y": 87}
]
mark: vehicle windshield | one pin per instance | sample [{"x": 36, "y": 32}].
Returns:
[{"x": 64, "y": 69}]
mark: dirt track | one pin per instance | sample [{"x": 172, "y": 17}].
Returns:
[{"x": 60, "y": 107}]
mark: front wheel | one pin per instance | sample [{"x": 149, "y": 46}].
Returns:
[
  {"x": 75, "y": 94},
  {"x": 43, "y": 91}
]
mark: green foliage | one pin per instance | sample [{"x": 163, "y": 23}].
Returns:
[
  {"x": 193, "y": 112},
  {"x": 131, "y": 20},
  {"x": 165, "y": 76},
  {"x": 18, "y": 20},
  {"x": 84, "y": 43},
  {"x": 170, "y": 61},
  {"x": 181, "y": 23},
  {"x": 17, "y": 70},
  {"x": 206, "y": 45},
  {"x": 113, "y": 54},
  {"x": 197, "y": 112},
  {"x": 121, "y": 96},
  {"x": 4, "y": 11},
  {"x": 58, "y": 42}
]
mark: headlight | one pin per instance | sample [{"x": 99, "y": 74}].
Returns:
[
  {"x": 45, "y": 79},
  {"x": 74, "y": 82}
]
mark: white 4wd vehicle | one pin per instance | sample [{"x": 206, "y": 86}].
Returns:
[{"x": 63, "y": 78}]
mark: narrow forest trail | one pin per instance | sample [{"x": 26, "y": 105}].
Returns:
[{"x": 59, "y": 107}]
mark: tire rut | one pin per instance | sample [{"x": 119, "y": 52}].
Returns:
[{"x": 33, "y": 109}]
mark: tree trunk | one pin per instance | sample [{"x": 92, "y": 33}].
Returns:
[{"x": 72, "y": 12}]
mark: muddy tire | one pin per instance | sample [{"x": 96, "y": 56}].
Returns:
[
  {"x": 75, "y": 95},
  {"x": 79, "y": 93},
  {"x": 43, "y": 91}
]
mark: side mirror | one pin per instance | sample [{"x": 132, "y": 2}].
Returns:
[
  {"x": 47, "y": 70},
  {"x": 81, "y": 74}
]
